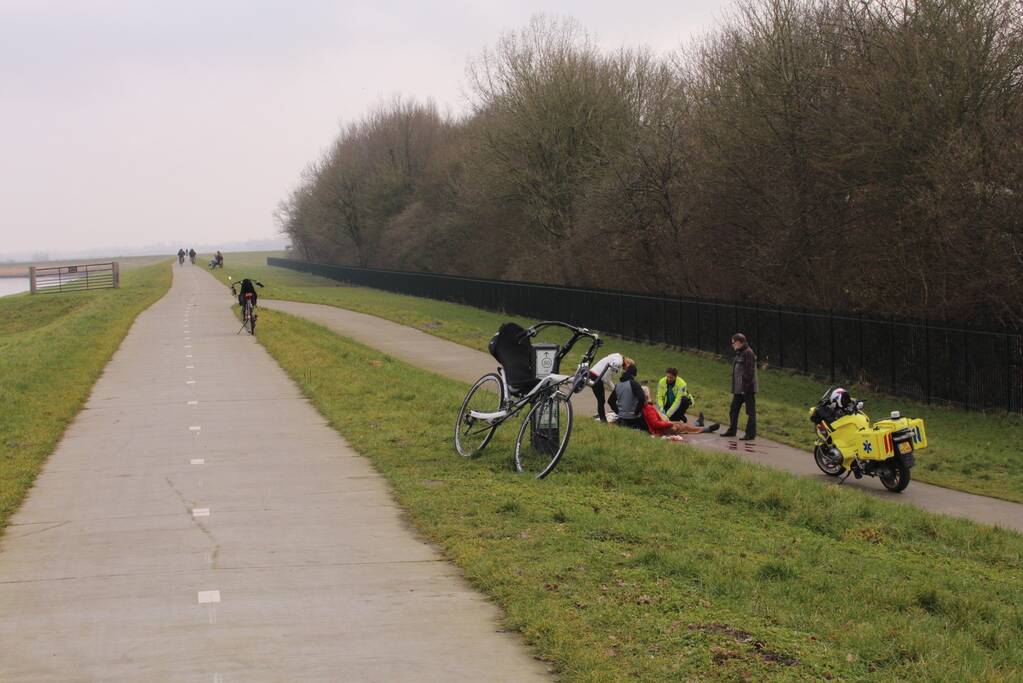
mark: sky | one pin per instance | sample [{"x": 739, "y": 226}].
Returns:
[{"x": 126, "y": 124}]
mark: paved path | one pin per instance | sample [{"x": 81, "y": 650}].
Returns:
[
  {"x": 200, "y": 522},
  {"x": 454, "y": 360}
]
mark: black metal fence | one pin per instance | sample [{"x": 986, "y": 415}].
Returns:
[{"x": 966, "y": 367}]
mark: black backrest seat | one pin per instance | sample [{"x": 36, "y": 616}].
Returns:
[{"x": 512, "y": 349}]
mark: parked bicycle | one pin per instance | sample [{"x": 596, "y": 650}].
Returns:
[
  {"x": 528, "y": 376},
  {"x": 246, "y": 293}
]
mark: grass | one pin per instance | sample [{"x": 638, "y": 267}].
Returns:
[
  {"x": 648, "y": 560},
  {"x": 20, "y": 269},
  {"x": 969, "y": 451},
  {"x": 53, "y": 347}
]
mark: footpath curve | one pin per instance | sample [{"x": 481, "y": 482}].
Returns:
[
  {"x": 459, "y": 362},
  {"x": 199, "y": 521}
]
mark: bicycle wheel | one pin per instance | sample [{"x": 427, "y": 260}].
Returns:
[
  {"x": 543, "y": 436},
  {"x": 252, "y": 320},
  {"x": 247, "y": 317},
  {"x": 472, "y": 435}
]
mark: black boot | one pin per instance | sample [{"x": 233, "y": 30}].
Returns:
[
  {"x": 730, "y": 432},
  {"x": 699, "y": 420},
  {"x": 712, "y": 427}
]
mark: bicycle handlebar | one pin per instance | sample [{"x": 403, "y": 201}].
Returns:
[
  {"x": 237, "y": 283},
  {"x": 577, "y": 333},
  {"x": 535, "y": 329}
]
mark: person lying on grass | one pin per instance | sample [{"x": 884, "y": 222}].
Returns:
[{"x": 658, "y": 426}]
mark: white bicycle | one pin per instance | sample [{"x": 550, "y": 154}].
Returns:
[{"x": 499, "y": 396}]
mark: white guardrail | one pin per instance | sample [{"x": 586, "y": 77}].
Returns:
[{"x": 75, "y": 278}]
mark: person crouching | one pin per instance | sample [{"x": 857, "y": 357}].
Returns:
[{"x": 627, "y": 399}]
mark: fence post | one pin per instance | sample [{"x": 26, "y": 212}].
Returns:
[
  {"x": 781, "y": 339},
  {"x": 717, "y": 329},
  {"x": 891, "y": 345},
  {"x": 806, "y": 345},
  {"x": 756, "y": 325},
  {"x": 966, "y": 369},
  {"x": 699, "y": 340},
  {"x": 831, "y": 332},
  {"x": 117, "y": 274},
  {"x": 664, "y": 321},
  {"x": 32, "y": 282},
  {"x": 1008, "y": 376},
  {"x": 682, "y": 328},
  {"x": 860, "y": 369},
  {"x": 927, "y": 359}
]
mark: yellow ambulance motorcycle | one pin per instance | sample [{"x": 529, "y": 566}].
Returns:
[{"x": 847, "y": 441}]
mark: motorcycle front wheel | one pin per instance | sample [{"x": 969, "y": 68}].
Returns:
[
  {"x": 827, "y": 466},
  {"x": 894, "y": 475}
]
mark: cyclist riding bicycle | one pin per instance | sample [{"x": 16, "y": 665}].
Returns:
[
  {"x": 181, "y": 257},
  {"x": 247, "y": 286},
  {"x": 191, "y": 256}
]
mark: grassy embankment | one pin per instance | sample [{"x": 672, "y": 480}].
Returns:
[
  {"x": 53, "y": 347},
  {"x": 969, "y": 451},
  {"x": 641, "y": 559},
  {"x": 20, "y": 269}
]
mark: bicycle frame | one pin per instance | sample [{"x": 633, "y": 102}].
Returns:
[{"x": 548, "y": 384}]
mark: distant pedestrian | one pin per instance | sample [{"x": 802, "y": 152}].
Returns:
[
  {"x": 744, "y": 388},
  {"x": 627, "y": 400}
]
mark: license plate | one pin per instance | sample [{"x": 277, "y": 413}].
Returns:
[{"x": 905, "y": 447}]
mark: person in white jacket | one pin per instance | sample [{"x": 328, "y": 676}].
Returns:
[{"x": 604, "y": 375}]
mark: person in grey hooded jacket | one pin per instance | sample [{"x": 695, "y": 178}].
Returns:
[{"x": 627, "y": 400}]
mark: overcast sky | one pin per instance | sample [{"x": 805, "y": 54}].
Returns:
[{"x": 126, "y": 123}]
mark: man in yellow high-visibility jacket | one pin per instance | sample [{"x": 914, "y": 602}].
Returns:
[{"x": 673, "y": 398}]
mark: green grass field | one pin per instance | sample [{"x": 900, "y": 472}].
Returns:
[
  {"x": 968, "y": 451},
  {"x": 53, "y": 347},
  {"x": 20, "y": 269},
  {"x": 649, "y": 560}
]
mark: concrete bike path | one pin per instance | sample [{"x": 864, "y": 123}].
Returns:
[
  {"x": 459, "y": 362},
  {"x": 199, "y": 521}
]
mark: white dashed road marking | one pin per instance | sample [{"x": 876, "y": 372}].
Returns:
[
  {"x": 201, "y": 512},
  {"x": 208, "y": 597},
  {"x": 197, "y": 461}
]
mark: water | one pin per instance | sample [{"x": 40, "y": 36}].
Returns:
[{"x": 13, "y": 285}]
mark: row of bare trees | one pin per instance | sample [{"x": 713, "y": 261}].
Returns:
[{"x": 864, "y": 155}]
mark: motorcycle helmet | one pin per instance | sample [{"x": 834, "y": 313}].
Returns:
[{"x": 839, "y": 399}]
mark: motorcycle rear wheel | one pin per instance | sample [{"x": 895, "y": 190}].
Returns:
[
  {"x": 826, "y": 466},
  {"x": 894, "y": 475}
]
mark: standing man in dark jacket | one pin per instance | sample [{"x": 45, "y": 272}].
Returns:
[{"x": 744, "y": 388}]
